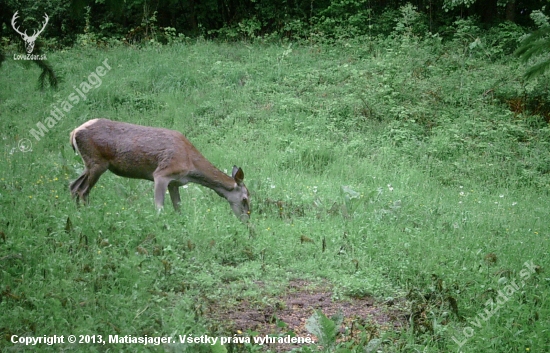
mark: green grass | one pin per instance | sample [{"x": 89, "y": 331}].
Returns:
[{"x": 404, "y": 157}]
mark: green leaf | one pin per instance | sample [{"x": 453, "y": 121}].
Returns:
[
  {"x": 324, "y": 328},
  {"x": 350, "y": 193},
  {"x": 373, "y": 345},
  {"x": 218, "y": 348}
]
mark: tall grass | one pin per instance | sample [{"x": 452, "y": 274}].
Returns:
[{"x": 403, "y": 158}]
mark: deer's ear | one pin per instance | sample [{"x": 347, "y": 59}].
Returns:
[{"x": 237, "y": 174}]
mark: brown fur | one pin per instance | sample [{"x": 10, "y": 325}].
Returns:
[{"x": 163, "y": 156}]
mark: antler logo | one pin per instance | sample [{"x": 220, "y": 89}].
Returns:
[{"x": 29, "y": 40}]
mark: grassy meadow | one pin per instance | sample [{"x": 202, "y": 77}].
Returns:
[{"x": 414, "y": 172}]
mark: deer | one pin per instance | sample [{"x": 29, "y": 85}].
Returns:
[
  {"x": 163, "y": 156},
  {"x": 29, "y": 40}
]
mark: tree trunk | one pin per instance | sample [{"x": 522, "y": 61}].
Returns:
[
  {"x": 192, "y": 16},
  {"x": 488, "y": 9},
  {"x": 511, "y": 11}
]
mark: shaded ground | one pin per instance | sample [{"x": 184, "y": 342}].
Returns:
[{"x": 297, "y": 304}]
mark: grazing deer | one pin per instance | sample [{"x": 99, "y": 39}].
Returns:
[{"x": 160, "y": 155}]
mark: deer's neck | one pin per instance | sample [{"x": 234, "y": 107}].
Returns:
[{"x": 214, "y": 179}]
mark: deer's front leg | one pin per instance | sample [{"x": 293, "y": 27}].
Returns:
[{"x": 161, "y": 184}]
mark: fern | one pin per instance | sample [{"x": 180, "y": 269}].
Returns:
[{"x": 536, "y": 44}]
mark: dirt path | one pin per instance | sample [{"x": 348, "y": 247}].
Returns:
[{"x": 297, "y": 303}]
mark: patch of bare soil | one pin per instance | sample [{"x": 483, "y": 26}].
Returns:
[{"x": 297, "y": 304}]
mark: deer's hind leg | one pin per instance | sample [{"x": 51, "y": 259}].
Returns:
[{"x": 81, "y": 187}]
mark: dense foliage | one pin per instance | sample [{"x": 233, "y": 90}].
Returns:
[{"x": 137, "y": 20}]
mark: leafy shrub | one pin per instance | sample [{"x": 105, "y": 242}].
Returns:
[
  {"x": 343, "y": 19},
  {"x": 410, "y": 23}
]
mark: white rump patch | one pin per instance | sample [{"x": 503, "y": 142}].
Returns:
[{"x": 75, "y": 131}]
